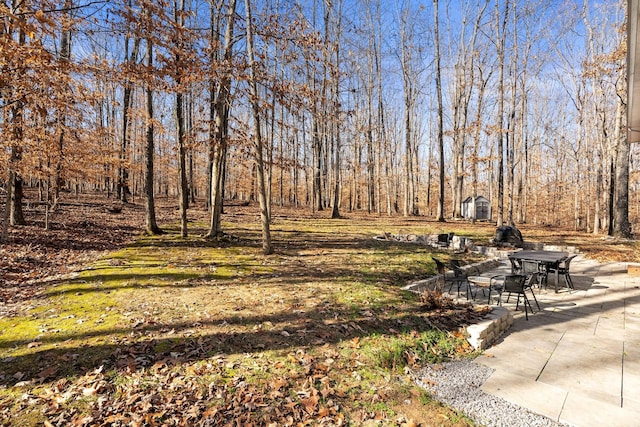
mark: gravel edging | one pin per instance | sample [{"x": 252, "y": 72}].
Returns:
[{"x": 457, "y": 384}]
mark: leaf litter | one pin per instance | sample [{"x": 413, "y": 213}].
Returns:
[{"x": 279, "y": 346}]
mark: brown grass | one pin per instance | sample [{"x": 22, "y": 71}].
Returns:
[{"x": 319, "y": 332}]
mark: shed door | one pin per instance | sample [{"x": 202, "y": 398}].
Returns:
[{"x": 482, "y": 210}]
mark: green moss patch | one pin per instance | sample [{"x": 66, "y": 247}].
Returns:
[{"x": 190, "y": 329}]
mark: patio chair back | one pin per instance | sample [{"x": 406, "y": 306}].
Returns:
[
  {"x": 518, "y": 284},
  {"x": 455, "y": 266},
  {"x": 529, "y": 267},
  {"x": 534, "y": 271},
  {"x": 515, "y": 266},
  {"x": 440, "y": 266},
  {"x": 514, "y": 283},
  {"x": 565, "y": 264},
  {"x": 563, "y": 270},
  {"x": 458, "y": 279}
]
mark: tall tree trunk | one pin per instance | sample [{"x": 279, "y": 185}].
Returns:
[
  {"x": 512, "y": 125},
  {"x": 336, "y": 116},
  {"x": 151, "y": 225},
  {"x": 440, "y": 213},
  {"x": 597, "y": 198},
  {"x": 14, "y": 189},
  {"x": 215, "y": 8},
  {"x": 335, "y": 211},
  {"x": 7, "y": 208},
  {"x": 371, "y": 160},
  {"x": 191, "y": 132},
  {"x": 476, "y": 145},
  {"x": 180, "y": 123},
  {"x": 612, "y": 189},
  {"x": 295, "y": 168},
  {"x": 408, "y": 155},
  {"x": 317, "y": 163},
  {"x": 123, "y": 189},
  {"x": 267, "y": 247},
  {"x": 373, "y": 178},
  {"x": 409, "y": 93},
  {"x": 64, "y": 58},
  {"x": 622, "y": 226},
  {"x": 220, "y": 93},
  {"x": 383, "y": 144},
  {"x": 502, "y": 34},
  {"x": 182, "y": 166}
]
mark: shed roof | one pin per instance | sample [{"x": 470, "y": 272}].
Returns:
[{"x": 478, "y": 198}]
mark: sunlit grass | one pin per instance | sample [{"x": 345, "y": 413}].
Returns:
[{"x": 326, "y": 310}]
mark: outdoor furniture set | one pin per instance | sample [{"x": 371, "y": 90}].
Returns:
[{"x": 529, "y": 269}]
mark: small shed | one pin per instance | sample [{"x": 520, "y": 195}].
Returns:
[{"x": 483, "y": 208}]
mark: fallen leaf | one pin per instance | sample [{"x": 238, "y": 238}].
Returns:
[
  {"x": 310, "y": 404},
  {"x": 323, "y": 412},
  {"x": 212, "y": 411},
  {"x": 46, "y": 373},
  {"x": 277, "y": 384}
]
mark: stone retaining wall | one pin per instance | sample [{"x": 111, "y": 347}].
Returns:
[{"x": 484, "y": 333}]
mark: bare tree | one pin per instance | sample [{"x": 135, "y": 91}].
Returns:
[
  {"x": 463, "y": 87},
  {"x": 151, "y": 224},
  {"x": 436, "y": 24},
  {"x": 336, "y": 114},
  {"x": 179, "y": 13},
  {"x": 622, "y": 226},
  {"x": 219, "y": 108},
  {"x": 14, "y": 31},
  {"x": 130, "y": 57},
  {"x": 267, "y": 247},
  {"x": 501, "y": 34},
  {"x": 409, "y": 77},
  {"x": 64, "y": 59}
]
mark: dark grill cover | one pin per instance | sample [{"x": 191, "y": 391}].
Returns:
[{"x": 507, "y": 234}]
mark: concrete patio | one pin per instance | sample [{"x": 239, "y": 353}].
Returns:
[{"x": 577, "y": 360}]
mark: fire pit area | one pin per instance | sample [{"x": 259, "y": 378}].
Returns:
[{"x": 440, "y": 241}]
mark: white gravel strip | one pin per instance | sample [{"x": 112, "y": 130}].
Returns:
[{"x": 457, "y": 384}]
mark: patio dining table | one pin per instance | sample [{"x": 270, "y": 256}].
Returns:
[{"x": 550, "y": 259}]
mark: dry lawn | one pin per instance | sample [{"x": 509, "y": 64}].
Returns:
[{"x": 169, "y": 331}]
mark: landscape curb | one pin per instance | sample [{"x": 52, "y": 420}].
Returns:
[{"x": 484, "y": 333}]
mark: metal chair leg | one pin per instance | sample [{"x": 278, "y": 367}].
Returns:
[{"x": 535, "y": 299}]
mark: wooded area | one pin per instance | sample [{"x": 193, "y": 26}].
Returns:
[{"x": 394, "y": 108}]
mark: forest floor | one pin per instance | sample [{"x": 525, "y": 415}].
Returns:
[{"x": 101, "y": 325}]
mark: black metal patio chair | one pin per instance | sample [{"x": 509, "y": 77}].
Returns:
[
  {"x": 452, "y": 275},
  {"x": 563, "y": 270},
  {"x": 516, "y": 267},
  {"x": 519, "y": 284},
  {"x": 537, "y": 271}
]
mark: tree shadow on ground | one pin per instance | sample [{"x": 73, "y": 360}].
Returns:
[{"x": 139, "y": 347}]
